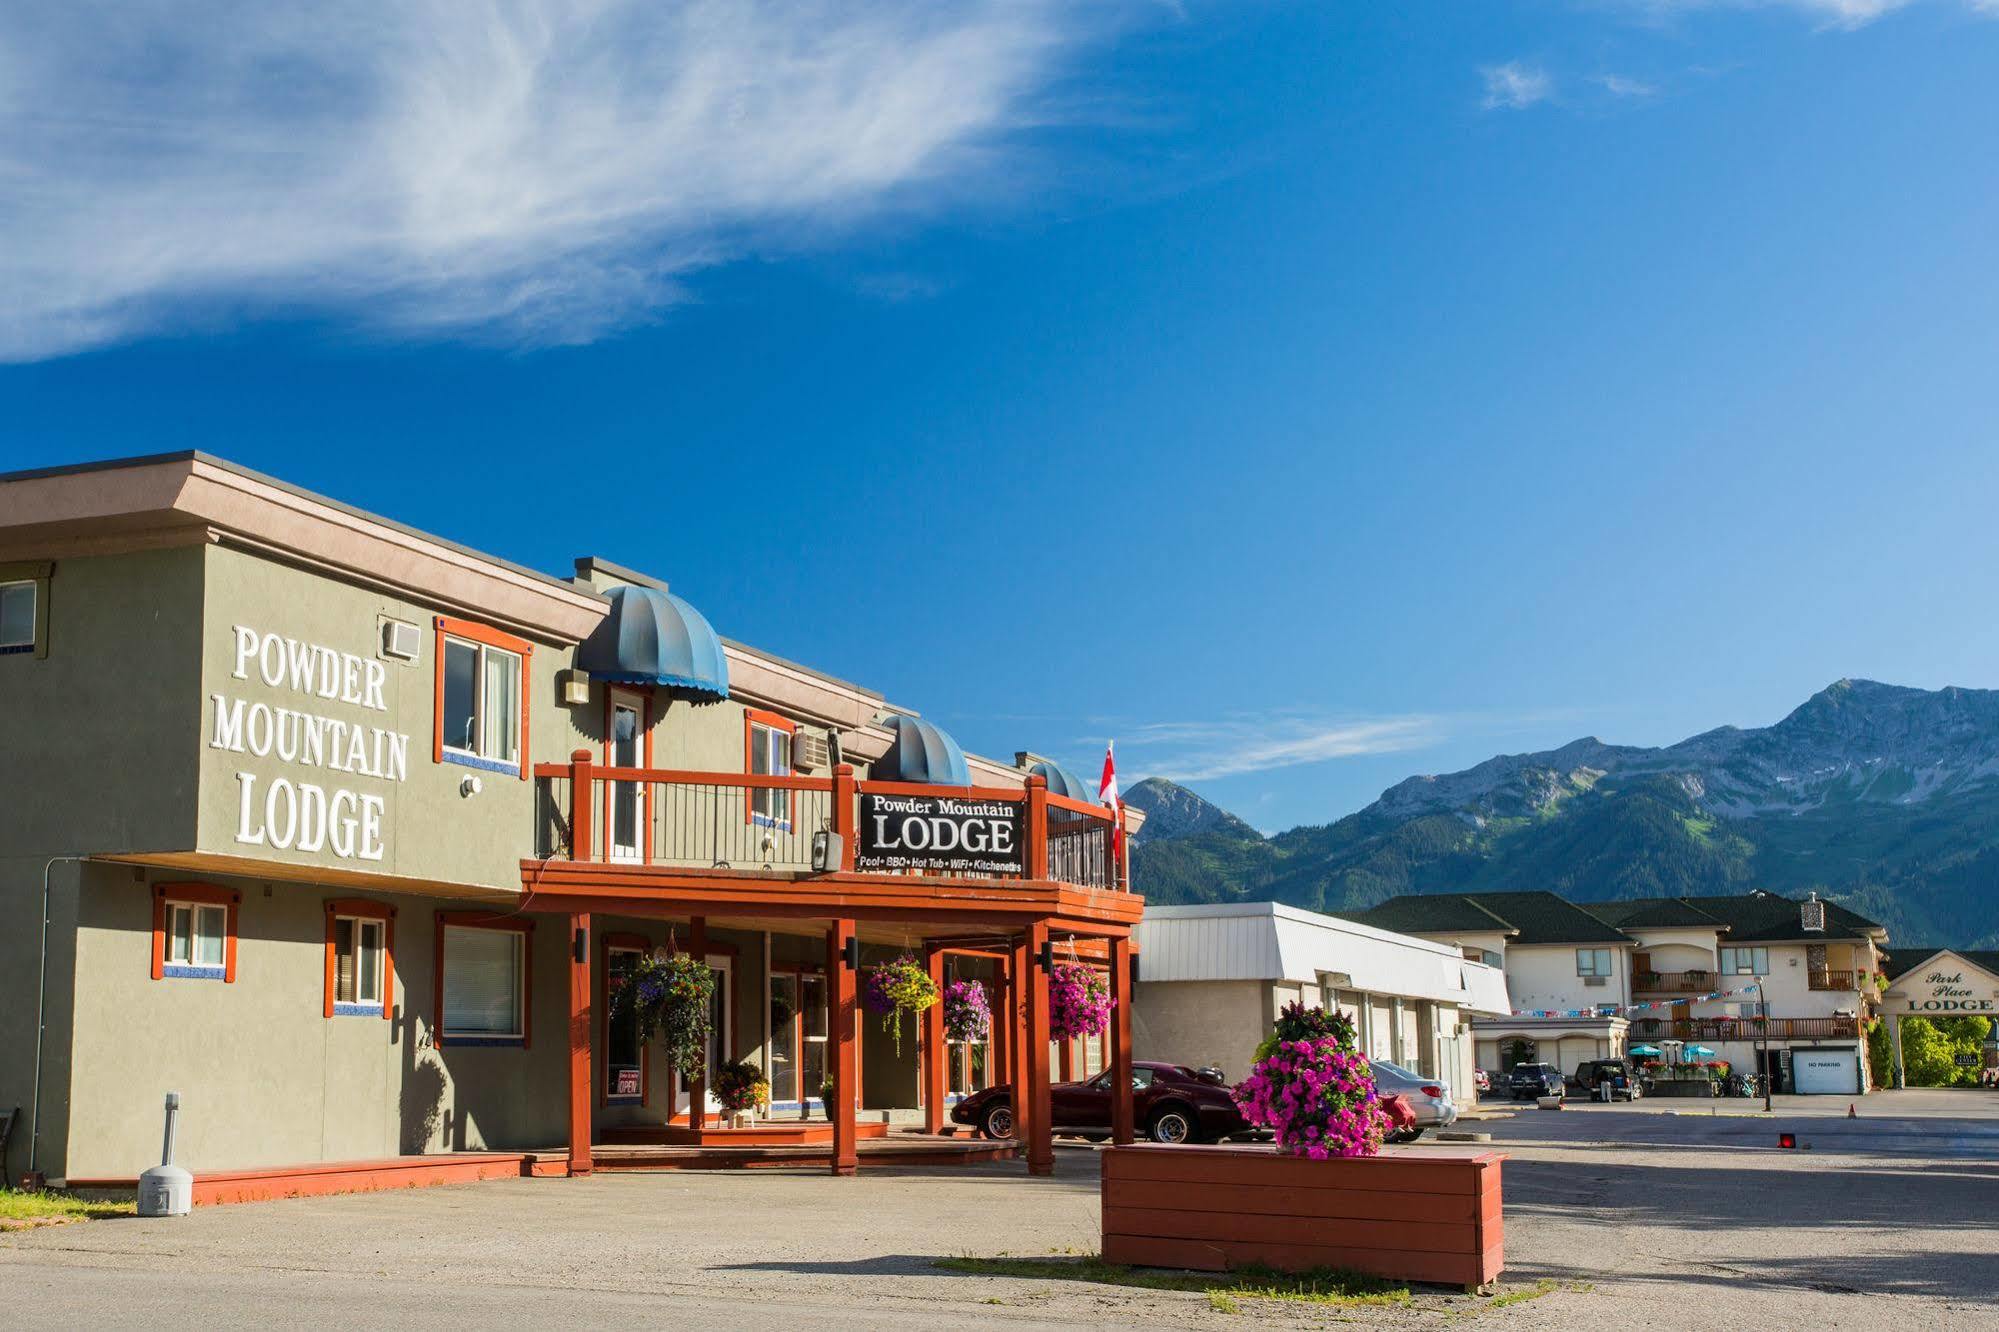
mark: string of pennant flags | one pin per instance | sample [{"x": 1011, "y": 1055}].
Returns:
[{"x": 1617, "y": 1010}]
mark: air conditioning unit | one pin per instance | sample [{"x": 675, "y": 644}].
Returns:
[
  {"x": 1596, "y": 980},
  {"x": 401, "y": 640},
  {"x": 809, "y": 752}
]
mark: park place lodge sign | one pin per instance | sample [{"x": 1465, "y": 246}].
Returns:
[{"x": 293, "y": 813}]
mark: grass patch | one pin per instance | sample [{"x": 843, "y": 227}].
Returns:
[
  {"x": 1534, "y": 1292},
  {"x": 1225, "y": 1290},
  {"x": 18, "y": 1206}
]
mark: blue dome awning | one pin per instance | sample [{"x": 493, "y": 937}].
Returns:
[
  {"x": 654, "y": 638},
  {"x": 1062, "y": 782},
  {"x": 921, "y": 753}
]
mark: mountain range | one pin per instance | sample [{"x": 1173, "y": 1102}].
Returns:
[{"x": 1883, "y": 798}]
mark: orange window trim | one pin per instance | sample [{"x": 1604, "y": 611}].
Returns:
[
  {"x": 645, "y": 760},
  {"x": 195, "y": 894},
  {"x": 607, "y": 944},
  {"x": 474, "y": 632},
  {"x": 363, "y": 909},
  {"x": 483, "y": 920},
  {"x": 753, "y": 718}
]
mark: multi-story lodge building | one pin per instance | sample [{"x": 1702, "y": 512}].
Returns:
[
  {"x": 1591, "y": 980},
  {"x": 347, "y": 834}
]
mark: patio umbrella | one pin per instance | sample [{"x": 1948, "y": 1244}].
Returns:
[
  {"x": 1647, "y": 1050},
  {"x": 1700, "y": 1052}
]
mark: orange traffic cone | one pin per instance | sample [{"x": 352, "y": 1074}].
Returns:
[{"x": 1849, "y": 1111}]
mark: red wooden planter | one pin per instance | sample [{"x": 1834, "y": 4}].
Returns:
[{"x": 1425, "y": 1216}]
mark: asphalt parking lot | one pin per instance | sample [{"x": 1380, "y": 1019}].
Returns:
[{"x": 1617, "y": 1214}]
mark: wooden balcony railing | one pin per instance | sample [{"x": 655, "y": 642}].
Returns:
[
  {"x": 1834, "y": 980},
  {"x": 1673, "y": 982},
  {"x": 653, "y": 816},
  {"x": 1746, "y": 1029}
]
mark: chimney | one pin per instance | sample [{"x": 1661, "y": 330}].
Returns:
[{"x": 1811, "y": 915}]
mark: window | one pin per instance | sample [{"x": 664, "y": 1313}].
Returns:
[
  {"x": 624, "y": 1053},
  {"x": 481, "y": 699},
  {"x": 17, "y": 616},
  {"x": 1592, "y": 961},
  {"x": 768, "y": 741},
  {"x": 194, "y": 932},
  {"x": 1485, "y": 955},
  {"x": 482, "y": 980},
  {"x": 1745, "y": 961},
  {"x": 24, "y": 608},
  {"x": 360, "y": 966}
]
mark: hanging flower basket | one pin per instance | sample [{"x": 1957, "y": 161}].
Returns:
[
  {"x": 1313, "y": 1089},
  {"x": 968, "y": 1015},
  {"x": 898, "y": 987},
  {"x": 742, "y": 1086},
  {"x": 671, "y": 997},
  {"x": 1079, "y": 1002}
]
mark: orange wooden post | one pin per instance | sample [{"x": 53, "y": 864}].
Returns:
[
  {"x": 1121, "y": 987},
  {"x": 840, "y": 982},
  {"x": 579, "y": 1044},
  {"x": 843, "y": 813},
  {"x": 999, "y": 1057},
  {"x": 1037, "y": 827},
  {"x": 1041, "y": 1137},
  {"x": 936, "y": 1057},
  {"x": 580, "y": 806},
  {"x": 697, "y": 1086},
  {"x": 1022, "y": 967}
]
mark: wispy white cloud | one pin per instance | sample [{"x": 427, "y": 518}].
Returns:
[
  {"x": 1514, "y": 86},
  {"x": 1841, "y": 14},
  {"x": 1618, "y": 85},
  {"x": 533, "y": 171},
  {"x": 1204, "y": 750}
]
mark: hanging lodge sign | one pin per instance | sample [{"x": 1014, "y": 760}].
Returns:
[{"x": 941, "y": 833}]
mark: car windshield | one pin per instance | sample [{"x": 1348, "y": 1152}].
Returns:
[
  {"x": 1531, "y": 1070},
  {"x": 1395, "y": 1072}
]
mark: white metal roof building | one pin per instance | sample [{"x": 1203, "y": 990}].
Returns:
[{"x": 1212, "y": 979}]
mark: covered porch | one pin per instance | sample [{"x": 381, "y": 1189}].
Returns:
[{"x": 818, "y": 924}]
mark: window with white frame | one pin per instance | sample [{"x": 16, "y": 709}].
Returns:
[
  {"x": 197, "y": 935},
  {"x": 360, "y": 943},
  {"x": 770, "y": 756},
  {"x": 480, "y": 709},
  {"x": 1745, "y": 961},
  {"x": 17, "y": 616},
  {"x": 1592, "y": 961},
  {"x": 484, "y": 984}
]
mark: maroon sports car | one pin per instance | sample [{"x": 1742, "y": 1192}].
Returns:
[{"x": 1169, "y": 1102}]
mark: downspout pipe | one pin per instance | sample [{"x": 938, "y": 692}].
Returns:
[{"x": 41, "y": 1017}]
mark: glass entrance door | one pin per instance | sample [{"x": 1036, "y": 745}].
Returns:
[
  {"x": 797, "y": 1037},
  {"x": 627, "y": 812}
]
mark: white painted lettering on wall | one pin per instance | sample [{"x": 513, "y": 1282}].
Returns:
[{"x": 297, "y": 815}]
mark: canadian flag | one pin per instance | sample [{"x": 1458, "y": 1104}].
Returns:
[{"x": 1107, "y": 792}]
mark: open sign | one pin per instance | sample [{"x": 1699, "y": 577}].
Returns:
[{"x": 940, "y": 833}]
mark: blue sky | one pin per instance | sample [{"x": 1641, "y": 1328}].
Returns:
[{"x": 1305, "y": 395}]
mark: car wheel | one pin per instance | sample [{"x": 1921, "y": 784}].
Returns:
[
  {"x": 998, "y": 1122},
  {"x": 1171, "y": 1125},
  {"x": 1405, "y": 1135},
  {"x": 1094, "y": 1137}
]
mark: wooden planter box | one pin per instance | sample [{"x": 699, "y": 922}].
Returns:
[{"x": 1419, "y": 1215}]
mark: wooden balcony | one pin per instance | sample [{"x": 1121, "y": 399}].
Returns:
[
  {"x": 1833, "y": 980},
  {"x": 775, "y": 826},
  {"x": 1747, "y": 1029},
  {"x": 1674, "y": 982}
]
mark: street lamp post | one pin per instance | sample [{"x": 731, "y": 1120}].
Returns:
[{"x": 1763, "y": 1034}]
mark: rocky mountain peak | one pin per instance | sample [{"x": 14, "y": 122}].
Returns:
[{"x": 1173, "y": 812}]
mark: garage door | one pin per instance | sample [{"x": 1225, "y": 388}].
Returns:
[{"x": 1826, "y": 1072}]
